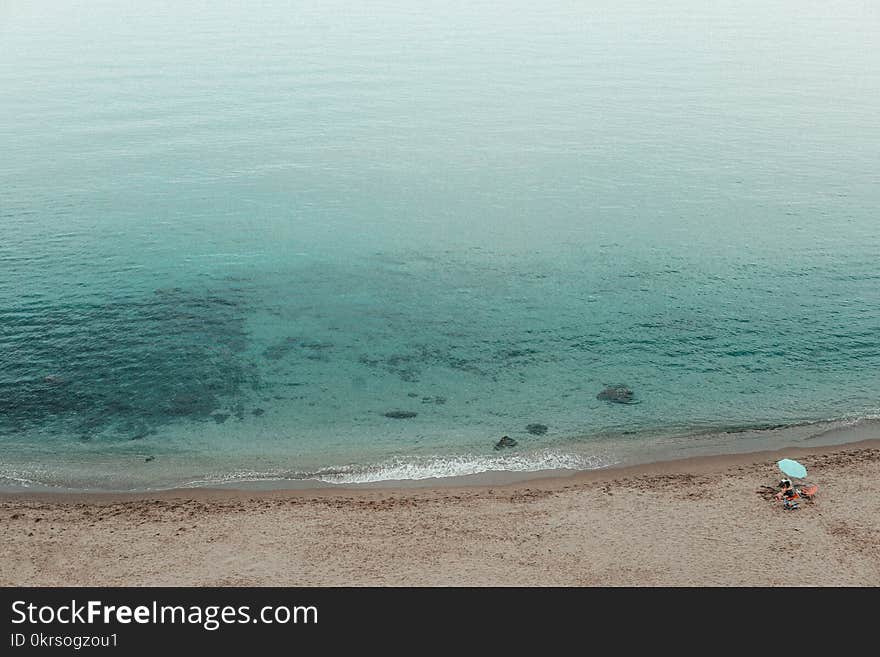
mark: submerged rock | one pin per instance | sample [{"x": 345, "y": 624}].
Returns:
[
  {"x": 149, "y": 458},
  {"x": 506, "y": 441},
  {"x": 755, "y": 427},
  {"x": 281, "y": 349},
  {"x": 400, "y": 415},
  {"x": 537, "y": 429},
  {"x": 193, "y": 404},
  {"x": 220, "y": 418},
  {"x": 258, "y": 412},
  {"x": 616, "y": 394}
]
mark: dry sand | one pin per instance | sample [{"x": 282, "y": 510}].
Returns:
[{"x": 694, "y": 522}]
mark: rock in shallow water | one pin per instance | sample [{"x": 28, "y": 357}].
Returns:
[
  {"x": 506, "y": 441},
  {"x": 616, "y": 394},
  {"x": 400, "y": 415},
  {"x": 536, "y": 429}
]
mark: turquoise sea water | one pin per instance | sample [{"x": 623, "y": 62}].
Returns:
[{"x": 234, "y": 236}]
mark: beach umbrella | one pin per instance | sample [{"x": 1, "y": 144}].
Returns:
[{"x": 792, "y": 468}]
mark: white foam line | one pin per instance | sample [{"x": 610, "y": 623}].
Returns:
[
  {"x": 411, "y": 469},
  {"x": 458, "y": 466}
]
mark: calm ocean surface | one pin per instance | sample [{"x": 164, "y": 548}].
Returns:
[{"x": 234, "y": 235}]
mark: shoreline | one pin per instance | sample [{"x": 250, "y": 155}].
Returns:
[
  {"x": 673, "y": 448},
  {"x": 700, "y": 521},
  {"x": 485, "y": 481}
]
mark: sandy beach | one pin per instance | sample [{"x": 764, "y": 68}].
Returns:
[{"x": 705, "y": 521}]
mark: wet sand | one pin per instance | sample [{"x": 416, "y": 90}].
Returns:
[{"x": 694, "y": 522}]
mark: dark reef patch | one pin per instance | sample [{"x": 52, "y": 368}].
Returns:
[
  {"x": 536, "y": 429},
  {"x": 281, "y": 349},
  {"x": 409, "y": 366},
  {"x": 310, "y": 349},
  {"x": 126, "y": 366},
  {"x": 488, "y": 359}
]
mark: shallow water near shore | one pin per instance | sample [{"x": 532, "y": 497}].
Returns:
[{"x": 280, "y": 245}]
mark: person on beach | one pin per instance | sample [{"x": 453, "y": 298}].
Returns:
[
  {"x": 787, "y": 494},
  {"x": 784, "y": 485}
]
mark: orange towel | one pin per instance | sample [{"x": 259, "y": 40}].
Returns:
[{"x": 809, "y": 491}]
